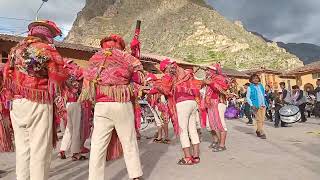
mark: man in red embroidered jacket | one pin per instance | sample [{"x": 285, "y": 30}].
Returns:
[
  {"x": 216, "y": 87},
  {"x": 71, "y": 138},
  {"x": 181, "y": 90},
  {"x": 107, "y": 83},
  {"x": 159, "y": 110},
  {"x": 34, "y": 76}
]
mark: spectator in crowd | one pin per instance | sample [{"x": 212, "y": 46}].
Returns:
[
  {"x": 257, "y": 101},
  {"x": 281, "y": 99},
  {"x": 310, "y": 97},
  {"x": 317, "y": 105},
  {"x": 299, "y": 99},
  {"x": 269, "y": 98},
  {"x": 247, "y": 108}
]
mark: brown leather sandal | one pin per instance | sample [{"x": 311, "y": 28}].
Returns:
[{"x": 157, "y": 140}]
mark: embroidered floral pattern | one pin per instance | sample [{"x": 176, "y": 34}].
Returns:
[{"x": 34, "y": 62}]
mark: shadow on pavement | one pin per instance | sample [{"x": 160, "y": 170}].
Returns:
[
  {"x": 245, "y": 130},
  {"x": 4, "y": 173},
  {"x": 152, "y": 153},
  {"x": 77, "y": 174}
]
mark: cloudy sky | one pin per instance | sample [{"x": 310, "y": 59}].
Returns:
[
  {"x": 278, "y": 20},
  {"x": 63, "y": 12}
]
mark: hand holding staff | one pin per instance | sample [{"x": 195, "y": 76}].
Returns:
[{"x": 135, "y": 43}]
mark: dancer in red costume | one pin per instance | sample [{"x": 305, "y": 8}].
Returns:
[
  {"x": 159, "y": 109},
  {"x": 34, "y": 77},
  {"x": 216, "y": 86},
  {"x": 72, "y": 135},
  {"x": 107, "y": 83},
  {"x": 181, "y": 90}
]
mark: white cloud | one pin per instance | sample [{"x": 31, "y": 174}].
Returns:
[{"x": 63, "y": 12}]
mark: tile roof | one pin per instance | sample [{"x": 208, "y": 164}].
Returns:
[
  {"x": 145, "y": 57},
  {"x": 262, "y": 70},
  {"x": 79, "y": 47},
  {"x": 309, "y": 68}
]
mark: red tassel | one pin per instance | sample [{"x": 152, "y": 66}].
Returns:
[
  {"x": 114, "y": 150},
  {"x": 6, "y": 135}
]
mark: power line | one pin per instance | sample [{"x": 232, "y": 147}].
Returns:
[
  {"x": 15, "y": 29},
  {"x": 26, "y": 20},
  {"x": 12, "y": 18}
]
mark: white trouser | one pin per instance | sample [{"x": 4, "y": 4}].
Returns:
[
  {"x": 71, "y": 137},
  {"x": 32, "y": 124},
  {"x": 198, "y": 122},
  {"x": 157, "y": 116},
  {"x": 187, "y": 112},
  {"x": 107, "y": 116}
]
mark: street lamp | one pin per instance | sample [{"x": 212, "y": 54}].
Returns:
[{"x": 43, "y": 1}]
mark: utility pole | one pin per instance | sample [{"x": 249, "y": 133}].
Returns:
[{"x": 37, "y": 14}]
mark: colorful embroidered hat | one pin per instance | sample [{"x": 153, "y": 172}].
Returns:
[
  {"x": 216, "y": 67},
  {"x": 116, "y": 38},
  {"x": 164, "y": 64},
  {"x": 46, "y": 23}
]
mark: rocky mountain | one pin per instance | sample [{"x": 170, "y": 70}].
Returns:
[
  {"x": 189, "y": 30},
  {"x": 306, "y": 52}
]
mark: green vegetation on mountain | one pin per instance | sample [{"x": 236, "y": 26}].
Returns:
[{"x": 184, "y": 29}]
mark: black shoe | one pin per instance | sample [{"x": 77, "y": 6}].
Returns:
[
  {"x": 250, "y": 123},
  {"x": 258, "y": 133},
  {"x": 139, "y": 178},
  {"x": 62, "y": 155},
  {"x": 276, "y": 126},
  {"x": 263, "y": 136}
]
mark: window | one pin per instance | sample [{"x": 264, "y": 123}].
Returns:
[{"x": 316, "y": 75}]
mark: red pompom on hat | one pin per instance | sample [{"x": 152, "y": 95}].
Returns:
[
  {"x": 46, "y": 23},
  {"x": 151, "y": 77},
  {"x": 164, "y": 64},
  {"x": 116, "y": 38}
]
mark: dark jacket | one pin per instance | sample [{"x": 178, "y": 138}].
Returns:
[{"x": 301, "y": 98}]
